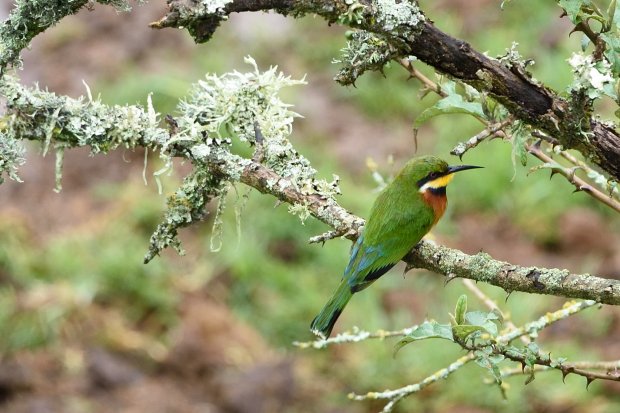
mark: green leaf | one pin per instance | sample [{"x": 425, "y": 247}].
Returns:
[
  {"x": 484, "y": 320},
  {"x": 463, "y": 331},
  {"x": 453, "y": 103},
  {"x": 613, "y": 51},
  {"x": 531, "y": 354},
  {"x": 520, "y": 134},
  {"x": 461, "y": 308},
  {"x": 428, "y": 329},
  {"x": 614, "y": 13},
  {"x": 489, "y": 361},
  {"x": 533, "y": 347},
  {"x": 520, "y": 153},
  {"x": 573, "y": 9}
]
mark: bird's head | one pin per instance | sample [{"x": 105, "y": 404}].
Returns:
[{"x": 432, "y": 174}]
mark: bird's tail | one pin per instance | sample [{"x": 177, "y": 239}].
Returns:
[{"x": 323, "y": 323}]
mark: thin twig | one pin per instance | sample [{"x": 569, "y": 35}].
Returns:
[
  {"x": 530, "y": 329},
  {"x": 565, "y": 368},
  {"x": 415, "y": 73},
  {"x": 354, "y": 336},
  {"x": 577, "y": 182},
  {"x": 491, "y": 130},
  {"x": 326, "y": 236},
  {"x": 397, "y": 395},
  {"x": 589, "y": 365},
  {"x": 614, "y": 193}
]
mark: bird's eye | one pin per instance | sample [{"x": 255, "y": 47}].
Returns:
[{"x": 432, "y": 175}]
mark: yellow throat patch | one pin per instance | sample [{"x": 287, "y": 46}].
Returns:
[{"x": 440, "y": 182}]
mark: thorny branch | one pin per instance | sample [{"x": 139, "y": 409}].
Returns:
[
  {"x": 530, "y": 329},
  {"x": 544, "y": 362},
  {"x": 417, "y": 36},
  {"x": 490, "y": 131},
  {"x": 612, "y": 367},
  {"x": 565, "y": 368},
  {"x": 569, "y": 174},
  {"x": 497, "y": 129}
]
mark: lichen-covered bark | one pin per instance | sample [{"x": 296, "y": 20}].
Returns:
[
  {"x": 327, "y": 210},
  {"x": 481, "y": 267},
  {"x": 530, "y": 102}
]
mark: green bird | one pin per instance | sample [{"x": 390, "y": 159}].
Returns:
[{"x": 402, "y": 214}]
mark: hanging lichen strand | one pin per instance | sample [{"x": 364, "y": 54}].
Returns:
[{"x": 219, "y": 110}]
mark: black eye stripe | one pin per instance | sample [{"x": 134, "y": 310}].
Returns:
[{"x": 430, "y": 177}]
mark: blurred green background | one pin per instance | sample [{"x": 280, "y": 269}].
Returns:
[{"x": 86, "y": 327}]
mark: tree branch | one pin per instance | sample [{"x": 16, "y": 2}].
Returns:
[
  {"x": 443, "y": 260},
  {"x": 496, "y": 129},
  {"x": 530, "y": 329},
  {"x": 578, "y": 183},
  {"x": 509, "y": 84}
]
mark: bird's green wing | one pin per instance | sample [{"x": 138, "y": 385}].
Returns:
[{"x": 392, "y": 230}]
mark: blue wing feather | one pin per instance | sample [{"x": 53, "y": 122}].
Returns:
[{"x": 362, "y": 270}]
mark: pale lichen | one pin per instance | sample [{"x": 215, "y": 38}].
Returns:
[
  {"x": 392, "y": 23},
  {"x": 595, "y": 78},
  {"x": 186, "y": 206},
  {"x": 512, "y": 57},
  {"x": 398, "y": 17},
  {"x": 11, "y": 157},
  {"x": 364, "y": 51},
  {"x": 220, "y": 109},
  {"x": 393, "y": 14},
  {"x": 231, "y": 105},
  {"x": 213, "y": 6},
  {"x": 61, "y": 122},
  {"x": 300, "y": 210}
]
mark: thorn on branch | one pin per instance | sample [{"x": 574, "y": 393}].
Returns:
[
  {"x": 327, "y": 236},
  {"x": 408, "y": 267},
  {"x": 449, "y": 277},
  {"x": 566, "y": 372}
]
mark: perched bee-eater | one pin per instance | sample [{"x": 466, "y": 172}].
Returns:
[{"x": 402, "y": 214}]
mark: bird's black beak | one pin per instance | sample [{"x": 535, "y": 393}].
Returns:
[{"x": 457, "y": 168}]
